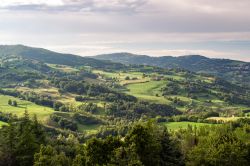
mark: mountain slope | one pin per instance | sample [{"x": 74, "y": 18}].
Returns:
[
  {"x": 46, "y": 56},
  {"x": 235, "y": 71}
]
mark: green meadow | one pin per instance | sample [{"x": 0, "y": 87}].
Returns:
[
  {"x": 183, "y": 125},
  {"x": 148, "y": 91},
  {"x": 89, "y": 129},
  {"x": 42, "y": 112}
]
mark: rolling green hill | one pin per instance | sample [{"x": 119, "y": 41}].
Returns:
[
  {"x": 235, "y": 71},
  {"x": 82, "y": 94},
  {"x": 46, "y": 56},
  {"x": 182, "y": 89}
]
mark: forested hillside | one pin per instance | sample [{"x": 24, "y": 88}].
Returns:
[
  {"x": 46, "y": 56},
  {"x": 81, "y": 111},
  {"x": 235, "y": 71}
]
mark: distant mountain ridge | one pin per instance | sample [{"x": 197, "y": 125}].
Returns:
[
  {"x": 47, "y": 56},
  {"x": 163, "y": 61},
  {"x": 236, "y": 71}
]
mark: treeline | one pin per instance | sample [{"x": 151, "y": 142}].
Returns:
[
  {"x": 216, "y": 145},
  {"x": 200, "y": 118},
  {"x": 25, "y": 143},
  {"x": 70, "y": 122},
  {"x": 20, "y": 141},
  {"x": 5, "y": 117},
  {"x": 18, "y": 71},
  {"x": 99, "y": 91},
  {"x": 196, "y": 88},
  {"x": 43, "y": 100},
  {"x": 117, "y": 105},
  {"x": 135, "y": 110}
]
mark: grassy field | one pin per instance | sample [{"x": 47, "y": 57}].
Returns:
[
  {"x": 120, "y": 76},
  {"x": 89, "y": 129},
  {"x": 2, "y": 124},
  {"x": 148, "y": 91},
  {"x": 63, "y": 68},
  {"x": 106, "y": 74},
  {"x": 225, "y": 119},
  {"x": 183, "y": 125},
  {"x": 42, "y": 112}
]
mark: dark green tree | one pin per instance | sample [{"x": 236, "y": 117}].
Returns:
[
  {"x": 221, "y": 147},
  {"x": 26, "y": 144},
  {"x": 170, "y": 154},
  {"x": 47, "y": 156},
  {"x": 9, "y": 102},
  {"x": 100, "y": 152},
  {"x": 14, "y": 103},
  {"x": 145, "y": 140},
  {"x": 79, "y": 160}
]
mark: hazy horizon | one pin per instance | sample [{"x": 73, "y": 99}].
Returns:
[
  {"x": 128, "y": 53},
  {"x": 215, "y": 29}
]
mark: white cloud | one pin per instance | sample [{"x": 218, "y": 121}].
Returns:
[
  {"x": 9, "y": 3},
  {"x": 127, "y": 6},
  {"x": 90, "y": 27}
]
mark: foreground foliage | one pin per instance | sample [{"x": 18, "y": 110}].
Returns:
[{"x": 25, "y": 142}]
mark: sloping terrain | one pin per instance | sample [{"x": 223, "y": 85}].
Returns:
[
  {"x": 46, "y": 56},
  {"x": 74, "y": 95},
  {"x": 235, "y": 71}
]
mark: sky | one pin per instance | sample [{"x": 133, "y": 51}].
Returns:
[{"x": 213, "y": 28}]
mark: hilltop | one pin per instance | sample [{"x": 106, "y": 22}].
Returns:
[{"x": 51, "y": 57}]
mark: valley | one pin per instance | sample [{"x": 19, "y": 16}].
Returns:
[
  {"x": 149, "y": 84},
  {"x": 96, "y": 100}
]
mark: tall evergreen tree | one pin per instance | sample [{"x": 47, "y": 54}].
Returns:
[
  {"x": 144, "y": 137},
  {"x": 170, "y": 154}
]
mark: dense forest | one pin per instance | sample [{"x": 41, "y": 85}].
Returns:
[{"x": 26, "y": 142}]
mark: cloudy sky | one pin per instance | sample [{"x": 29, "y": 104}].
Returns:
[{"x": 214, "y": 28}]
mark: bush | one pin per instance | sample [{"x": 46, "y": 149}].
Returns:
[{"x": 127, "y": 78}]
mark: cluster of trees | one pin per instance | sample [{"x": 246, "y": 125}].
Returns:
[
  {"x": 200, "y": 118},
  {"x": 133, "y": 110},
  {"x": 5, "y": 117},
  {"x": 101, "y": 92},
  {"x": 20, "y": 141},
  {"x": 12, "y": 103},
  {"x": 10, "y": 92},
  {"x": 81, "y": 98},
  {"x": 155, "y": 148},
  {"x": 70, "y": 122},
  {"x": 116, "y": 96},
  {"x": 216, "y": 145},
  {"x": 18, "y": 70},
  {"x": 176, "y": 101},
  {"x": 10, "y": 78},
  {"x": 25, "y": 143},
  {"x": 79, "y": 86},
  {"x": 86, "y": 119},
  {"x": 195, "y": 88},
  {"x": 188, "y": 87},
  {"x": 63, "y": 123},
  {"x": 88, "y": 107}
]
